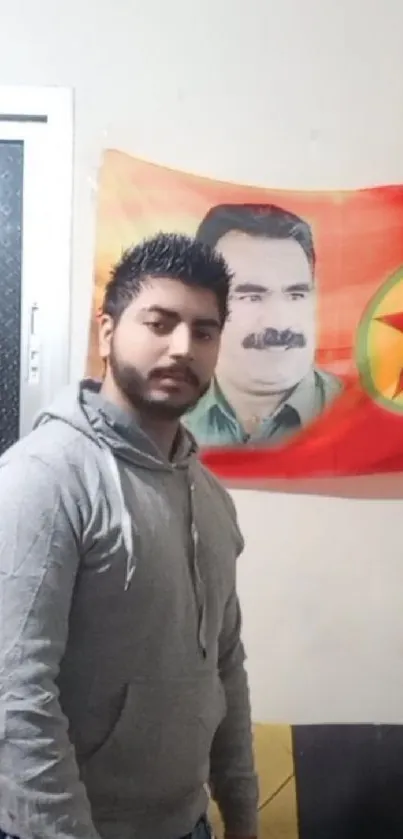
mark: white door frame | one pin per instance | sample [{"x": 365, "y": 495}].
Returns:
[{"x": 43, "y": 119}]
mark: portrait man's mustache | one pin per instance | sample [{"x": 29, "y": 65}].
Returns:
[{"x": 274, "y": 338}]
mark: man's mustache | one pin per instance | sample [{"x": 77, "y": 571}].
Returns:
[
  {"x": 274, "y": 338},
  {"x": 176, "y": 371}
]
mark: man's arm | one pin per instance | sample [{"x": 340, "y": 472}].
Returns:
[
  {"x": 234, "y": 782},
  {"x": 40, "y": 791}
]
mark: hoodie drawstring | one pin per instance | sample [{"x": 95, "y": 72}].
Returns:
[
  {"x": 126, "y": 520},
  {"x": 197, "y": 579}
]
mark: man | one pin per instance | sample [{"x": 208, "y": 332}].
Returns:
[
  {"x": 123, "y": 690},
  {"x": 267, "y": 386}
]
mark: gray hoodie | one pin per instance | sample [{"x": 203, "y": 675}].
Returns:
[{"x": 122, "y": 684}]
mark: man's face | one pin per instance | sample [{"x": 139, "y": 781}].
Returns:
[
  {"x": 163, "y": 351},
  {"x": 268, "y": 342}
]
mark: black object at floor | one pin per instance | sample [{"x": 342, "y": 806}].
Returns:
[{"x": 349, "y": 781}]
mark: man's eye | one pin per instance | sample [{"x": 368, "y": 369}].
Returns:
[
  {"x": 157, "y": 326},
  {"x": 200, "y": 335},
  {"x": 250, "y": 298},
  {"x": 297, "y": 295}
]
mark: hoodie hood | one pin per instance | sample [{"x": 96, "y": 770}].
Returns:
[
  {"x": 85, "y": 409},
  {"x": 119, "y": 438}
]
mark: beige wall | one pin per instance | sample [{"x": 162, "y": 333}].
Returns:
[{"x": 302, "y": 93}]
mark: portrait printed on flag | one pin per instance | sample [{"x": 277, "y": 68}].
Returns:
[{"x": 312, "y": 350}]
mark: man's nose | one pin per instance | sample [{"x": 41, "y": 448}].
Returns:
[
  {"x": 181, "y": 342},
  {"x": 274, "y": 313}
]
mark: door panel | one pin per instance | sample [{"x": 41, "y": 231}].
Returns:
[
  {"x": 11, "y": 191},
  {"x": 36, "y": 173}
]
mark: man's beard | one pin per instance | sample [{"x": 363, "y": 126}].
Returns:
[{"x": 134, "y": 387}]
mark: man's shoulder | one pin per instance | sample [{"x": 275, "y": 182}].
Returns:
[
  {"x": 55, "y": 446},
  {"x": 53, "y": 467},
  {"x": 330, "y": 384},
  {"x": 216, "y": 487},
  {"x": 220, "y": 500}
]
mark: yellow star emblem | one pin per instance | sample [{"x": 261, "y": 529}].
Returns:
[{"x": 379, "y": 348}]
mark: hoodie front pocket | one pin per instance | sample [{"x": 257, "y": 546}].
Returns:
[{"x": 160, "y": 746}]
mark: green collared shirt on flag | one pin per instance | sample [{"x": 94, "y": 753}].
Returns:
[{"x": 213, "y": 421}]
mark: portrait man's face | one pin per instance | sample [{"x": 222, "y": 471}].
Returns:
[{"x": 268, "y": 343}]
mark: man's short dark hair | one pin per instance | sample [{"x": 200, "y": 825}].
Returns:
[
  {"x": 260, "y": 220},
  {"x": 171, "y": 256}
]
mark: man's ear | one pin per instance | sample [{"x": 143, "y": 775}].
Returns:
[{"x": 105, "y": 334}]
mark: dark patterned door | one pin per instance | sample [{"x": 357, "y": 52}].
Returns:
[{"x": 11, "y": 192}]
